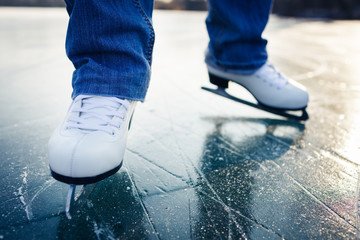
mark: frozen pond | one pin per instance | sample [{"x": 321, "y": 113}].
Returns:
[{"x": 197, "y": 166}]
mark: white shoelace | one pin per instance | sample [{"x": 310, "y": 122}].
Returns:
[
  {"x": 269, "y": 74},
  {"x": 98, "y": 114}
]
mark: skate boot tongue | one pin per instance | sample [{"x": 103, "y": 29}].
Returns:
[
  {"x": 269, "y": 73},
  {"x": 97, "y": 113}
]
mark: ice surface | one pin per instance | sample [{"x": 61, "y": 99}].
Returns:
[{"x": 197, "y": 166}]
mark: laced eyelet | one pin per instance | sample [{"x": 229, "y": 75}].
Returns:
[{"x": 89, "y": 118}]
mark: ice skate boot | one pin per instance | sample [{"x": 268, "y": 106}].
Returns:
[
  {"x": 273, "y": 91},
  {"x": 89, "y": 145}
]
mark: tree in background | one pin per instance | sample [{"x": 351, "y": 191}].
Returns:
[{"x": 334, "y": 9}]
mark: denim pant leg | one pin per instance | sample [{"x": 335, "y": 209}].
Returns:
[
  {"x": 110, "y": 43},
  {"x": 235, "y": 29}
]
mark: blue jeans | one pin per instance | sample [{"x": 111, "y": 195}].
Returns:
[{"x": 110, "y": 42}]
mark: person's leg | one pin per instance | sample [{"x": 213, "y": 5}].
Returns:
[
  {"x": 110, "y": 44},
  {"x": 237, "y": 52},
  {"x": 235, "y": 30}
]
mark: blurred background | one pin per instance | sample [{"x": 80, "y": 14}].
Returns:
[{"x": 333, "y": 9}]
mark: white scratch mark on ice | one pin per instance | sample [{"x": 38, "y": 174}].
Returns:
[
  {"x": 45, "y": 186},
  {"x": 155, "y": 164},
  {"x": 28, "y": 211},
  {"x": 97, "y": 231},
  {"x": 136, "y": 191},
  {"x": 24, "y": 176},
  {"x": 210, "y": 217},
  {"x": 27, "y": 205},
  {"x": 227, "y": 209},
  {"x": 103, "y": 231},
  {"x": 20, "y": 194}
]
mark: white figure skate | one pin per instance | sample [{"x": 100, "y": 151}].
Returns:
[
  {"x": 273, "y": 91},
  {"x": 89, "y": 145}
]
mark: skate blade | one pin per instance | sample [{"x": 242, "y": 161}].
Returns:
[
  {"x": 75, "y": 200},
  {"x": 284, "y": 113}
]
